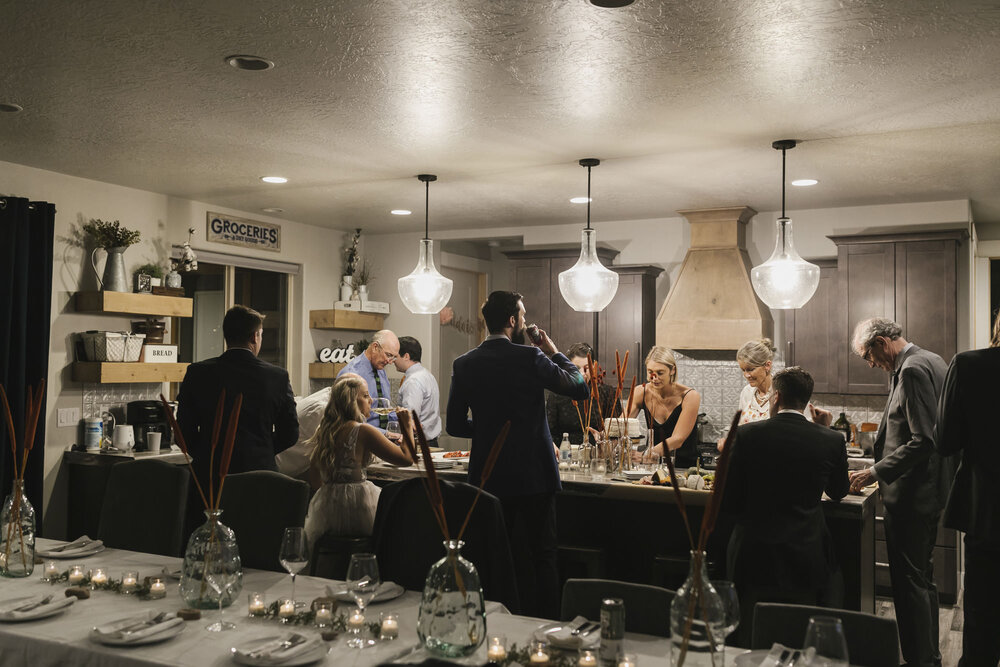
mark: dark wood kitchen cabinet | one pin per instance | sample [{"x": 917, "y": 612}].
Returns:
[
  {"x": 809, "y": 336},
  {"x": 628, "y": 319}
]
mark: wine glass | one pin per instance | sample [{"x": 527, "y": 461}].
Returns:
[
  {"x": 363, "y": 581},
  {"x": 731, "y": 606},
  {"x": 381, "y": 406},
  {"x": 393, "y": 432},
  {"x": 220, "y": 581},
  {"x": 825, "y": 637},
  {"x": 294, "y": 554}
]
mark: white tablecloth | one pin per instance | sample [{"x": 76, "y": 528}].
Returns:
[{"x": 63, "y": 639}]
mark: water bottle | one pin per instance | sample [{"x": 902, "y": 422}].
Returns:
[{"x": 564, "y": 449}]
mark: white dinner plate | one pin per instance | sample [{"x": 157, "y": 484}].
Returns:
[
  {"x": 55, "y": 606},
  {"x": 387, "y": 590},
  {"x": 171, "y": 628},
  {"x": 550, "y": 633},
  {"x": 89, "y": 550},
  {"x": 636, "y": 474},
  {"x": 316, "y": 650}
]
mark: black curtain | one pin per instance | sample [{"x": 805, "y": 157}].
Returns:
[{"x": 27, "y": 230}]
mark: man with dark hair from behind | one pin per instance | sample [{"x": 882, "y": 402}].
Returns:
[
  {"x": 418, "y": 391},
  {"x": 780, "y": 549},
  {"x": 267, "y": 424},
  {"x": 503, "y": 380}
]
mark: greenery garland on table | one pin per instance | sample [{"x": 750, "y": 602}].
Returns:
[
  {"x": 140, "y": 590},
  {"x": 522, "y": 656},
  {"x": 337, "y": 624}
]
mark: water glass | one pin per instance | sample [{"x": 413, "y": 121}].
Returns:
[
  {"x": 598, "y": 467},
  {"x": 825, "y": 638}
]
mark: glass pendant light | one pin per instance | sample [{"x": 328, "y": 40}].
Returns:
[
  {"x": 589, "y": 286},
  {"x": 425, "y": 291},
  {"x": 785, "y": 280}
]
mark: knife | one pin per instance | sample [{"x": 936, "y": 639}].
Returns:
[{"x": 78, "y": 543}]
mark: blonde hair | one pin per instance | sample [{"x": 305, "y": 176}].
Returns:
[
  {"x": 756, "y": 352},
  {"x": 665, "y": 356},
  {"x": 341, "y": 409}
]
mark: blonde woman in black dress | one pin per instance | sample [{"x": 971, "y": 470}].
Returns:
[{"x": 671, "y": 409}]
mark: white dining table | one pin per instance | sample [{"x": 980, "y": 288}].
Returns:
[{"x": 63, "y": 639}]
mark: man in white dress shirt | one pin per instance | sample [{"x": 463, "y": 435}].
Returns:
[{"x": 418, "y": 392}]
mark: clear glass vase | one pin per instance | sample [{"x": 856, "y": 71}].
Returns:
[
  {"x": 212, "y": 567},
  {"x": 17, "y": 540},
  {"x": 452, "y": 618},
  {"x": 697, "y": 620}
]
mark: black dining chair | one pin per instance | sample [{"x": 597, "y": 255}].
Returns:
[
  {"x": 331, "y": 555},
  {"x": 872, "y": 641},
  {"x": 647, "y": 608},
  {"x": 258, "y": 506},
  {"x": 407, "y": 539},
  {"x": 144, "y": 506}
]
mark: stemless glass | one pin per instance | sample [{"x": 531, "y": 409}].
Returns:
[
  {"x": 731, "y": 605},
  {"x": 363, "y": 581},
  {"x": 294, "y": 553},
  {"x": 393, "y": 432},
  {"x": 825, "y": 636}
]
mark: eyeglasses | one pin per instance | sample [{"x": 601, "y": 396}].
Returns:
[
  {"x": 867, "y": 356},
  {"x": 388, "y": 355}
]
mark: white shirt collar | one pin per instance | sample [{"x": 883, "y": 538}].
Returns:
[
  {"x": 784, "y": 410},
  {"x": 497, "y": 337}
]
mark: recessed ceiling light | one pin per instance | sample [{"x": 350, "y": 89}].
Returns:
[
  {"x": 400, "y": 211},
  {"x": 252, "y": 63},
  {"x": 9, "y": 107},
  {"x": 273, "y": 209},
  {"x": 802, "y": 182},
  {"x": 274, "y": 179},
  {"x": 611, "y": 4},
  {"x": 579, "y": 200}
]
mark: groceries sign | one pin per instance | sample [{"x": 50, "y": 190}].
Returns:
[{"x": 243, "y": 232}]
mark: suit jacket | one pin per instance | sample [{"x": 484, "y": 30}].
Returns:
[
  {"x": 967, "y": 422},
  {"x": 780, "y": 538},
  {"x": 500, "y": 381},
  {"x": 267, "y": 425},
  {"x": 912, "y": 477}
]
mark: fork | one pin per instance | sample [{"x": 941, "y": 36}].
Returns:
[
  {"x": 284, "y": 645},
  {"x": 35, "y": 605},
  {"x": 141, "y": 625}
]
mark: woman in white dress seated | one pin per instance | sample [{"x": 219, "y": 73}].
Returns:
[{"x": 344, "y": 445}]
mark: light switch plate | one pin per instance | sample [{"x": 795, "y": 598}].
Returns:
[{"x": 68, "y": 416}]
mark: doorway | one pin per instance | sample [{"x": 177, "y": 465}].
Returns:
[{"x": 462, "y": 329}]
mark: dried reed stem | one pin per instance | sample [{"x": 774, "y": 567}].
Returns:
[{"x": 175, "y": 427}]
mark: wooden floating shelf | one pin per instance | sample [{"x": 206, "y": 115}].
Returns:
[
  {"x": 120, "y": 372},
  {"x": 323, "y": 370},
  {"x": 351, "y": 320},
  {"x": 134, "y": 304}
]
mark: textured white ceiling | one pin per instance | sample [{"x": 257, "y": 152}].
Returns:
[{"x": 895, "y": 100}]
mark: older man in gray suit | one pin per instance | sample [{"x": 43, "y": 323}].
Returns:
[{"x": 913, "y": 479}]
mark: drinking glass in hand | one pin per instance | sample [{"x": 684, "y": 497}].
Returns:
[
  {"x": 294, "y": 554},
  {"x": 825, "y": 636},
  {"x": 381, "y": 406},
  {"x": 393, "y": 432},
  {"x": 363, "y": 581},
  {"x": 731, "y": 606}
]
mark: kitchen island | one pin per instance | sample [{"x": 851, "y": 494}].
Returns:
[{"x": 616, "y": 529}]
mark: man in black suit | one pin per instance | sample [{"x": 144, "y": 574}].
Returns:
[
  {"x": 780, "y": 548},
  {"x": 267, "y": 425},
  {"x": 912, "y": 478},
  {"x": 967, "y": 423},
  {"x": 505, "y": 379}
]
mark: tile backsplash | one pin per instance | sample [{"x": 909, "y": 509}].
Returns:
[
  {"x": 99, "y": 398},
  {"x": 717, "y": 377}
]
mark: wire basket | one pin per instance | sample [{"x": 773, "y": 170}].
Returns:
[{"x": 112, "y": 345}]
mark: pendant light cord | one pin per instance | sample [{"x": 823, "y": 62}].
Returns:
[
  {"x": 427, "y": 207},
  {"x": 588, "y": 196},
  {"x": 782, "y": 182}
]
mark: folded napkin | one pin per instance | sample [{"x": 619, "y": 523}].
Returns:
[
  {"x": 783, "y": 656},
  {"x": 131, "y": 630},
  {"x": 563, "y": 637},
  {"x": 25, "y": 607},
  {"x": 14, "y": 605},
  {"x": 78, "y": 546},
  {"x": 385, "y": 589},
  {"x": 272, "y": 653}
]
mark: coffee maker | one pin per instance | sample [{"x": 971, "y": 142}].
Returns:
[{"x": 146, "y": 416}]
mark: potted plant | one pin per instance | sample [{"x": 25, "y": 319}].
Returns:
[
  {"x": 113, "y": 239},
  {"x": 153, "y": 271},
  {"x": 350, "y": 264},
  {"x": 362, "y": 278}
]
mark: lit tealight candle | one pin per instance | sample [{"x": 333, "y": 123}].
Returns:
[
  {"x": 390, "y": 626},
  {"x": 130, "y": 579},
  {"x": 324, "y": 614},
  {"x": 157, "y": 588},
  {"x": 287, "y": 609},
  {"x": 356, "y": 620},
  {"x": 628, "y": 660},
  {"x": 51, "y": 570},
  {"x": 76, "y": 574},
  {"x": 255, "y": 604},
  {"x": 587, "y": 658},
  {"x": 496, "y": 651},
  {"x": 539, "y": 653},
  {"x": 98, "y": 577}
]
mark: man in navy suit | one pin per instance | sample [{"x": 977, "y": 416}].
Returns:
[
  {"x": 780, "y": 549},
  {"x": 967, "y": 424},
  {"x": 504, "y": 379},
  {"x": 268, "y": 423}
]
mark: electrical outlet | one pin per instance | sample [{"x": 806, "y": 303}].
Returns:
[{"x": 68, "y": 416}]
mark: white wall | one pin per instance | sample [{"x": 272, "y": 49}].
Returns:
[{"x": 162, "y": 220}]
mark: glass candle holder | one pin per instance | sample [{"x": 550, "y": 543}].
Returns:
[
  {"x": 356, "y": 621},
  {"x": 539, "y": 652},
  {"x": 51, "y": 572},
  {"x": 286, "y": 609},
  {"x": 157, "y": 588},
  {"x": 324, "y": 613},
  {"x": 628, "y": 660},
  {"x": 586, "y": 658},
  {"x": 76, "y": 574},
  {"x": 496, "y": 648},
  {"x": 98, "y": 577},
  {"x": 256, "y": 607},
  {"x": 388, "y": 626},
  {"x": 130, "y": 581}
]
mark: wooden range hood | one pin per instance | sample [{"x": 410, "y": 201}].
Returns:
[{"x": 712, "y": 305}]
